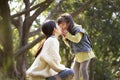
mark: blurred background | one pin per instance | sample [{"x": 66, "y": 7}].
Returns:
[{"x": 20, "y": 34}]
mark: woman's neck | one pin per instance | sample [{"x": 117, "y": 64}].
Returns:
[{"x": 56, "y": 36}]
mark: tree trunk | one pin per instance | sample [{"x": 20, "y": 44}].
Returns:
[
  {"x": 23, "y": 41},
  {"x": 6, "y": 40},
  {"x": 21, "y": 60}
]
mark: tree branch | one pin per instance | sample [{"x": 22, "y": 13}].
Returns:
[
  {"x": 54, "y": 10},
  {"x": 34, "y": 32},
  {"x": 28, "y": 46},
  {"x": 17, "y": 22},
  {"x": 26, "y": 11},
  {"x": 83, "y": 8},
  {"x": 32, "y": 2},
  {"x": 27, "y": 7},
  {"x": 42, "y": 7}
]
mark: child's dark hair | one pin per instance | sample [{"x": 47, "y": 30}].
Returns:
[
  {"x": 47, "y": 29},
  {"x": 68, "y": 19}
]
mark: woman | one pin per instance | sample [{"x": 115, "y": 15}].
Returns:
[
  {"x": 76, "y": 38},
  {"x": 47, "y": 64}
]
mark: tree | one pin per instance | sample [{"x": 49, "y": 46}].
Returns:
[
  {"x": 6, "y": 51},
  {"x": 102, "y": 22},
  {"x": 97, "y": 16},
  {"x": 23, "y": 25},
  {"x": 23, "y": 29}
]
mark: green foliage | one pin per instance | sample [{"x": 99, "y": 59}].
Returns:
[
  {"x": 16, "y": 6},
  {"x": 15, "y": 39},
  {"x": 103, "y": 18},
  {"x": 102, "y": 22},
  {"x": 66, "y": 55},
  {"x": 103, "y": 70}
]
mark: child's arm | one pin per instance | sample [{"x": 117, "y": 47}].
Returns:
[
  {"x": 74, "y": 38},
  {"x": 65, "y": 41}
]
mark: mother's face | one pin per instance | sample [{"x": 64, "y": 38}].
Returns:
[{"x": 58, "y": 30}]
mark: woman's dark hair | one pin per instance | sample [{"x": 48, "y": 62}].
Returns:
[
  {"x": 40, "y": 47},
  {"x": 47, "y": 29},
  {"x": 68, "y": 19}
]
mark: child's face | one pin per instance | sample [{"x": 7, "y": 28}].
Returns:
[{"x": 63, "y": 25}]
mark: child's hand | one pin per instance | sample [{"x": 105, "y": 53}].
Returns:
[{"x": 64, "y": 32}]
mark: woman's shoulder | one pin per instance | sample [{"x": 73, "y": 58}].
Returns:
[{"x": 51, "y": 39}]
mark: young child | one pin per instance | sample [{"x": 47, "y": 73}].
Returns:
[
  {"x": 77, "y": 39},
  {"x": 47, "y": 64}
]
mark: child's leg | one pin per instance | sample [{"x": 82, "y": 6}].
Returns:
[
  {"x": 76, "y": 69},
  {"x": 84, "y": 69}
]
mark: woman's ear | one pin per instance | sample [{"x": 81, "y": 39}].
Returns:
[
  {"x": 54, "y": 31},
  {"x": 61, "y": 26}
]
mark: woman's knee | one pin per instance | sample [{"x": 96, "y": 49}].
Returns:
[
  {"x": 71, "y": 72},
  {"x": 66, "y": 73}
]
